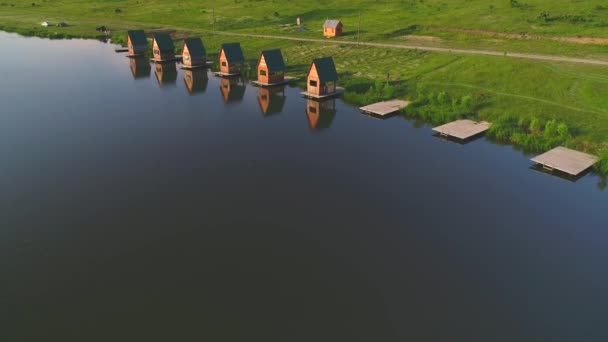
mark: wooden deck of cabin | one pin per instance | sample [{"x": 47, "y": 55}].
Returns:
[
  {"x": 565, "y": 160},
  {"x": 121, "y": 50},
  {"x": 338, "y": 91},
  {"x": 384, "y": 108},
  {"x": 225, "y": 74},
  {"x": 189, "y": 67},
  {"x": 174, "y": 59},
  {"x": 462, "y": 129},
  {"x": 286, "y": 80}
]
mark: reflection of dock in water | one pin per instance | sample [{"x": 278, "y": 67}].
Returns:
[
  {"x": 232, "y": 89},
  {"x": 271, "y": 100},
  {"x": 196, "y": 80},
  {"x": 320, "y": 114},
  {"x": 166, "y": 73},
  {"x": 140, "y": 67}
]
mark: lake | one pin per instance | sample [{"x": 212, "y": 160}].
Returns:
[{"x": 147, "y": 203}]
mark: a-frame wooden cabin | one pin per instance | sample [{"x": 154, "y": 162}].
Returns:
[
  {"x": 271, "y": 67},
  {"x": 322, "y": 77},
  {"x": 231, "y": 59},
  {"x": 163, "y": 48},
  {"x": 193, "y": 52},
  {"x": 137, "y": 42}
]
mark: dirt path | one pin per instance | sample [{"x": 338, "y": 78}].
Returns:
[{"x": 429, "y": 48}]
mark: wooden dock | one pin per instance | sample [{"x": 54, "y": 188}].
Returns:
[
  {"x": 462, "y": 129},
  {"x": 121, "y": 50},
  {"x": 190, "y": 67},
  {"x": 286, "y": 81},
  {"x": 565, "y": 160},
  {"x": 313, "y": 96},
  {"x": 134, "y": 55},
  {"x": 384, "y": 108}
]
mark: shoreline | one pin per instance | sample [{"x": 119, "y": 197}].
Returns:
[{"x": 354, "y": 96}]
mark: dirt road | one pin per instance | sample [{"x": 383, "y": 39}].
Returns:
[{"x": 428, "y": 48}]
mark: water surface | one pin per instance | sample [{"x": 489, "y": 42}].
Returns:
[{"x": 142, "y": 202}]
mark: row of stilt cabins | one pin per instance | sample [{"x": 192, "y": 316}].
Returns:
[{"x": 321, "y": 79}]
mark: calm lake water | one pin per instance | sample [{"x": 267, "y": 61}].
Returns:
[{"x": 142, "y": 204}]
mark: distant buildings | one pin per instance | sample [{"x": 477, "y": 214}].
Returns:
[{"x": 332, "y": 28}]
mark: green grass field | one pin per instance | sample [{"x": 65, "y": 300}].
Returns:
[{"x": 570, "y": 93}]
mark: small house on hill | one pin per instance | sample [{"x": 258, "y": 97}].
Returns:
[
  {"x": 162, "y": 47},
  {"x": 271, "y": 67},
  {"x": 231, "y": 58},
  {"x": 332, "y": 28},
  {"x": 322, "y": 77},
  {"x": 193, "y": 52},
  {"x": 137, "y": 42}
]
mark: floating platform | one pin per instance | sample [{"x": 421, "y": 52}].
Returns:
[
  {"x": 121, "y": 50},
  {"x": 462, "y": 129},
  {"x": 189, "y": 67},
  {"x": 225, "y": 74},
  {"x": 384, "y": 108},
  {"x": 565, "y": 160},
  {"x": 286, "y": 81},
  {"x": 313, "y": 96},
  {"x": 176, "y": 58}
]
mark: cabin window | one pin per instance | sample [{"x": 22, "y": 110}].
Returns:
[
  {"x": 313, "y": 83},
  {"x": 312, "y": 110},
  {"x": 264, "y": 97},
  {"x": 157, "y": 52},
  {"x": 223, "y": 63},
  {"x": 186, "y": 58},
  {"x": 263, "y": 72}
]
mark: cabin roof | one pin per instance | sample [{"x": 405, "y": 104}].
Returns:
[
  {"x": 331, "y": 23},
  {"x": 326, "y": 69},
  {"x": 274, "y": 60},
  {"x": 233, "y": 53},
  {"x": 195, "y": 47},
  {"x": 164, "y": 42},
  {"x": 138, "y": 37}
]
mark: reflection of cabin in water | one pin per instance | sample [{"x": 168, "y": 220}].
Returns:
[
  {"x": 332, "y": 28},
  {"x": 166, "y": 73},
  {"x": 162, "y": 47},
  {"x": 271, "y": 67},
  {"x": 137, "y": 42},
  {"x": 140, "y": 67},
  {"x": 322, "y": 77},
  {"x": 231, "y": 59},
  {"x": 320, "y": 114},
  {"x": 232, "y": 90},
  {"x": 193, "y": 52},
  {"x": 196, "y": 80},
  {"x": 271, "y": 100}
]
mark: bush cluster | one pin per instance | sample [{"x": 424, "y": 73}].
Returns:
[
  {"x": 442, "y": 107},
  {"x": 532, "y": 134},
  {"x": 379, "y": 91}
]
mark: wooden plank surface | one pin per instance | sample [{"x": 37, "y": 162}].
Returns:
[
  {"x": 566, "y": 160},
  {"x": 385, "y": 107},
  {"x": 338, "y": 92},
  {"x": 462, "y": 129}
]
